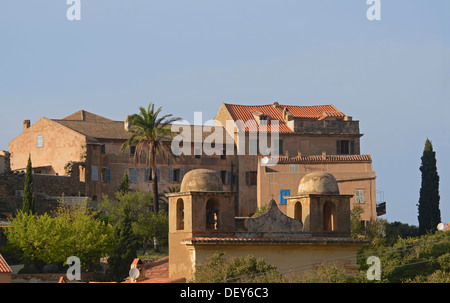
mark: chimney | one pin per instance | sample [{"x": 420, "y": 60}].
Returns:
[
  {"x": 324, "y": 155},
  {"x": 126, "y": 124},
  {"x": 276, "y": 104},
  {"x": 299, "y": 154},
  {"x": 26, "y": 124}
]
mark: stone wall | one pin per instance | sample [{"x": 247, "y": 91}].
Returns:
[{"x": 47, "y": 188}]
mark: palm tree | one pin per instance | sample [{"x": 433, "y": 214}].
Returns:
[{"x": 150, "y": 133}]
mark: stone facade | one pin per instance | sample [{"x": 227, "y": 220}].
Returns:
[
  {"x": 353, "y": 173},
  {"x": 48, "y": 189},
  {"x": 96, "y": 142},
  {"x": 300, "y": 133},
  {"x": 282, "y": 240}
]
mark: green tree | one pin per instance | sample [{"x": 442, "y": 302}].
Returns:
[
  {"x": 146, "y": 224},
  {"x": 124, "y": 248},
  {"x": 356, "y": 228},
  {"x": 124, "y": 186},
  {"x": 219, "y": 269},
  {"x": 149, "y": 226},
  {"x": 150, "y": 134},
  {"x": 428, "y": 207},
  {"x": 71, "y": 231},
  {"x": 28, "y": 199}
]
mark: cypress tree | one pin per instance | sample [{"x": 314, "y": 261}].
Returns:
[
  {"x": 28, "y": 199},
  {"x": 124, "y": 184},
  {"x": 428, "y": 207},
  {"x": 124, "y": 249}
]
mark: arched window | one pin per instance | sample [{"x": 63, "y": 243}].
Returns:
[
  {"x": 329, "y": 216},
  {"x": 212, "y": 214},
  {"x": 180, "y": 214},
  {"x": 298, "y": 211}
]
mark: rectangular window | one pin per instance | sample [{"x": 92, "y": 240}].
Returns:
[
  {"x": 280, "y": 147},
  {"x": 251, "y": 178},
  {"x": 176, "y": 175},
  {"x": 102, "y": 149},
  {"x": 94, "y": 174},
  {"x": 345, "y": 147},
  {"x": 106, "y": 175},
  {"x": 225, "y": 176},
  {"x": 132, "y": 150},
  {"x": 283, "y": 194},
  {"x": 294, "y": 168},
  {"x": 147, "y": 175},
  {"x": 40, "y": 141},
  {"x": 359, "y": 196},
  {"x": 133, "y": 175}
]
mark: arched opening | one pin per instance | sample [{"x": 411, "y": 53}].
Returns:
[
  {"x": 180, "y": 214},
  {"x": 329, "y": 216},
  {"x": 212, "y": 214},
  {"x": 298, "y": 211}
]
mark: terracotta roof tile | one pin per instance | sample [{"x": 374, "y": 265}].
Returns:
[
  {"x": 299, "y": 240},
  {"x": 326, "y": 158},
  {"x": 315, "y": 112},
  {"x": 4, "y": 267}
]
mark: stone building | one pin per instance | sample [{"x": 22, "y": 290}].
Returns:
[
  {"x": 4, "y": 162},
  {"x": 95, "y": 142},
  {"x": 353, "y": 173},
  {"x": 302, "y": 130},
  {"x": 316, "y": 229}
]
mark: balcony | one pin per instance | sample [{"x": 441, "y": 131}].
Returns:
[{"x": 381, "y": 208}]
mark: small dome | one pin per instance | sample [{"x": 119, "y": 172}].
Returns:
[
  {"x": 201, "y": 180},
  {"x": 318, "y": 183}
]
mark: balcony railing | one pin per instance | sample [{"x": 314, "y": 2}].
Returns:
[{"x": 381, "y": 208}]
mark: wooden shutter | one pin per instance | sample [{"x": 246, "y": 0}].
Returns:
[
  {"x": 283, "y": 193},
  {"x": 108, "y": 175},
  {"x": 352, "y": 147},
  {"x": 228, "y": 181},
  {"x": 181, "y": 174}
]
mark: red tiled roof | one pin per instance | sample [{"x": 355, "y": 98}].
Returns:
[
  {"x": 4, "y": 267},
  {"x": 325, "y": 158},
  {"x": 299, "y": 240},
  {"x": 314, "y": 112},
  {"x": 156, "y": 272}
]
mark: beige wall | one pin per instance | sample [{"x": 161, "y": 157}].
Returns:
[
  {"x": 350, "y": 177},
  {"x": 119, "y": 162},
  {"x": 60, "y": 145},
  {"x": 5, "y": 277},
  {"x": 283, "y": 256}
]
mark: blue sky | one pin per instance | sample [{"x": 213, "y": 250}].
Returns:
[{"x": 393, "y": 75}]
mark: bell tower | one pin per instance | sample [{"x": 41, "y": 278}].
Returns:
[{"x": 201, "y": 209}]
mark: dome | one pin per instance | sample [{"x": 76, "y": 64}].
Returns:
[
  {"x": 201, "y": 180},
  {"x": 318, "y": 183}
]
